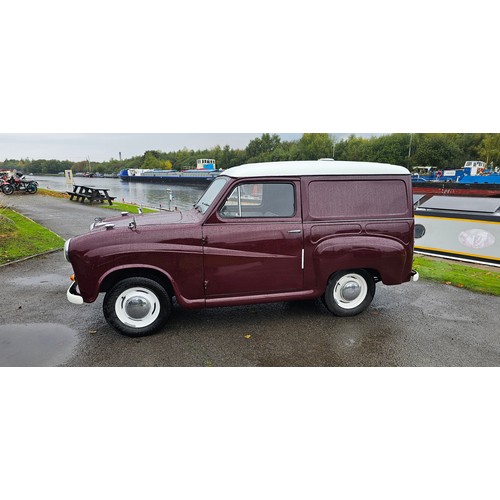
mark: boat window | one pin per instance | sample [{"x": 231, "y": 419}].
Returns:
[{"x": 210, "y": 194}]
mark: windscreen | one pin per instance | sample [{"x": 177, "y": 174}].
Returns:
[{"x": 210, "y": 194}]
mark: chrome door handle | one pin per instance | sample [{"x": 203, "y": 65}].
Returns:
[{"x": 295, "y": 231}]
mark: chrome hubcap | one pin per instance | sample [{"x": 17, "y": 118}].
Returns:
[
  {"x": 137, "y": 307},
  {"x": 350, "y": 291}
]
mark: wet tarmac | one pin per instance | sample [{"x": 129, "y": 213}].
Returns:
[
  {"x": 415, "y": 324},
  {"x": 42, "y": 344}
]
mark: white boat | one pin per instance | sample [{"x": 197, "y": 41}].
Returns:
[{"x": 458, "y": 227}]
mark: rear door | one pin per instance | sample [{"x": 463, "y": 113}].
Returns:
[{"x": 254, "y": 243}]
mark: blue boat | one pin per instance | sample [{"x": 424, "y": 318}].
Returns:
[
  {"x": 203, "y": 175},
  {"x": 474, "y": 179}
]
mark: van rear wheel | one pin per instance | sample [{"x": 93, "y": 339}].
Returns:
[
  {"x": 349, "y": 292},
  {"x": 137, "y": 307}
]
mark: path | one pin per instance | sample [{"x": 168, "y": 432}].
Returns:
[{"x": 62, "y": 216}]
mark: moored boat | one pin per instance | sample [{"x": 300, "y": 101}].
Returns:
[
  {"x": 474, "y": 179},
  {"x": 203, "y": 175},
  {"x": 460, "y": 228}
]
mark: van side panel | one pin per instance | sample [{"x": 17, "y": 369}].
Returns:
[{"x": 358, "y": 223}]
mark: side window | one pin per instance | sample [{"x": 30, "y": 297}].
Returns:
[{"x": 271, "y": 199}]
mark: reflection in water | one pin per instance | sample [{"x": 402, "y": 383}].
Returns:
[{"x": 145, "y": 193}]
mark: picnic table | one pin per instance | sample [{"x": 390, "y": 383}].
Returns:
[{"x": 92, "y": 194}]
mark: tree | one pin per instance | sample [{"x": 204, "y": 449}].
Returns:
[
  {"x": 391, "y": 148},
  {"x": 489, "y": 148},
  {"x": 259, "y": 149},
  {"x": 152, "y": 160},
  {"x": 314, "y": 147},
  {"x": 437, "y": 150},
  {"x": 352, "y": 149}
]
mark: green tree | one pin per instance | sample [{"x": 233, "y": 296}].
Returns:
[
  {"x": 151, "y": 159},
  {"x": 260, "y": 148},
  {"x": 352, "y": 149},
  {"x": 392, "y": 148},
  {"x": 314, "y": 147},
  {"x": 489, "y": 149},
  {"x": 438, "y": 150}
]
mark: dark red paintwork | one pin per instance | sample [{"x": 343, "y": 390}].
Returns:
[{"x": 210, "y": 260}]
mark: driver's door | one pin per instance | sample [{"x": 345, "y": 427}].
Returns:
[{"x": 254, "y": 244}]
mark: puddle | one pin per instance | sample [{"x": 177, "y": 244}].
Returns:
[{"x": 42, "y": 344}]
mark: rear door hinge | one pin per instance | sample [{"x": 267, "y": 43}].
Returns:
[
  {"x": 205, "y": 285},
  {"x": 204, "y": 241}
]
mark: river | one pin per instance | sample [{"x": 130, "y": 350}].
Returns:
[{"x": 142, "y": 193}]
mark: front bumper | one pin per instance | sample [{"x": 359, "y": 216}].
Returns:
[{"x": 73, "y": 296}]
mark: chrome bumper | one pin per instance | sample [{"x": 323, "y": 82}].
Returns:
[
  {"x": 73, "y": 296},
  {"x": 414, "y": 275}
]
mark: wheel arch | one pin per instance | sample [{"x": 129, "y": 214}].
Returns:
[
  {"x": 384, "y": 258},
  {"x": 117, "y": 275}
]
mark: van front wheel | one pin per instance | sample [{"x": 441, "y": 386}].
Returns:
[
  {"x": 349, "y": 292},
  {"x": 137, "y": 307}
]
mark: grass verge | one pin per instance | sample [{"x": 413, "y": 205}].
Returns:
[
  {"x": 126, "y": 207},
  {"x": 122, "y": 207},
  {"x": 21, "y": 237},
  {"x": 459, "y": 275},
  {"x": 55, "y": 194}
]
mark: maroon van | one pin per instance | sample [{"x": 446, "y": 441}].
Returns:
[{"x": 260, "y": 233}]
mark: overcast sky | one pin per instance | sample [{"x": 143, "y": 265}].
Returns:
[{"x": 104, "y": 146}]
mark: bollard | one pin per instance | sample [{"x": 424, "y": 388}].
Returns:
[{"x": 169, "y": 194}]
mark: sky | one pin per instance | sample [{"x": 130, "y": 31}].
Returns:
[{"x": 104, "y": 146}]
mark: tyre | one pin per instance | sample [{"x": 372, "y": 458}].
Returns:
[
  {"x": 137, "y": 307},
  {"x": 7, "y": 189},
  {"x": 31, "y": 188},
  {"x": 349, "y": 292}
]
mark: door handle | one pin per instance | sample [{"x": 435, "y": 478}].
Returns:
[{"x": 295, "y": 231}]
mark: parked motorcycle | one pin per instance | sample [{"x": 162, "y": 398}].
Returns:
[{"x": 18, "y": 182}]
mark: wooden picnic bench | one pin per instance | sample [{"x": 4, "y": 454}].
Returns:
[{"x": 92, "y": 194}]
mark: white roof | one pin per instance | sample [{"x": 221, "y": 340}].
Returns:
[{"x": 316, "y": 167}]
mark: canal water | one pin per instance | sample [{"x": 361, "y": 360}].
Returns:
[{"x": 143, "y": 193}]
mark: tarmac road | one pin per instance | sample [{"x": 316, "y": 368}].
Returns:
[{"x": 415, "y": 324}]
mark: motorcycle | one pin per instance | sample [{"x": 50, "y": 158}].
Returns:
[{"x": 18, "y": 183}]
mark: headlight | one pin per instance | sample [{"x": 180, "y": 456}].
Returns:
[{"x": 66, "y": 250}]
